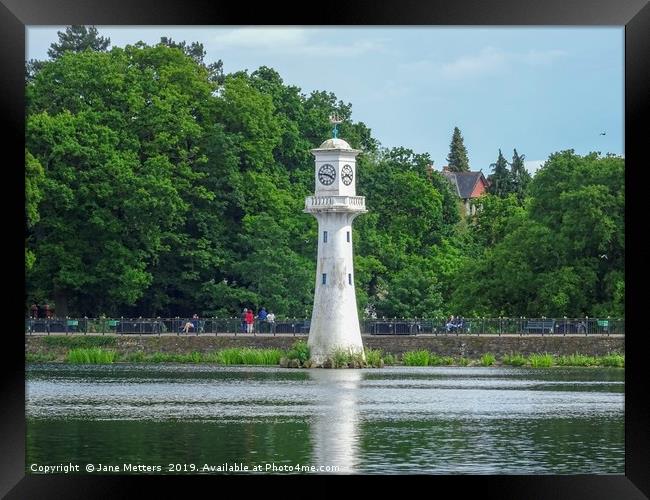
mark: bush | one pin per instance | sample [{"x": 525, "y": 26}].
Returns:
[{"x": 300, "y": 351}]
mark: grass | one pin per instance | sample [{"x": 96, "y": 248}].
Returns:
[
  {"x": 38, "y": 357},
  {"x": 487, "y": 359},
  {"x": 374, "y": 358},
  {"x": 615, "y": 360},
  {"x": 514, "y": 360},
  {"x": 248, "y": 356},
  {"x": 576, "y": 360},
  {"x": 389, "y": 359},
  {"x": 94, "y": 355},
  {"x": 416, "y": 358},
  {"x": 541, "y": 360}
]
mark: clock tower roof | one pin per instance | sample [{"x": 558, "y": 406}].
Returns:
[{"x": 337, "y": 145}]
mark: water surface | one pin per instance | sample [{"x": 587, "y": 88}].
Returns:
[{"x": 438, "y": 420}]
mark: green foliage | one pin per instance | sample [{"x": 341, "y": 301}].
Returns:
[
  {"x": 249, "y": 356},
  {"x": 389, "y": 359},
  {"x": 158, "y": 186},
  {"x": 562, "y": 254},
  {"x": 300, "y": 351},
  {"x": 519, "y": 176},
  {"x": 540, "y": 360},
  {"x": 374, "y": 358},
  {"x": 462, "y": 361},
  {"x": 38, "y": 357},
  {"x": 93, "y": 355},
  {"x": 457, "y": 158},
  {"x": 514, "y": 360},
  {"x": 487, "y": 359},
  {"x": 501, "y": 182},
  {"x": 416, "y": 358},
  {"x": 576, "y": 360},
  {"x": 614, "y": 360},
  {"x": 78, "y": 38}
]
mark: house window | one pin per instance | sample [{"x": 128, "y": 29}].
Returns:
[
  {"x": 324, "y": 236},
  {"x": 324, "y": 278},
  {"x": 349, "y": 279},
  {"x": 348, "y": 236}
]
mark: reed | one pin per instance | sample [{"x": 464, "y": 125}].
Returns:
[
  {"x": 513, "y": 360},
  {"x": 540, "y": 360},
  {"x": 340, "y": 358},
  {"x": 248, "y": 356},
  {"x": 416, "y": 358},
  {"x": 576, "y": 360},
  {"x": 94, "y": 355},
  {"x": 374, "y": 358},
  {"x": 487, "y": 359},
  {"x": 39, "y": 357},
  {"x": 389, "y": 359},
  {"x": 462, "y": 361},
  {"x": 615, "y": 360}
]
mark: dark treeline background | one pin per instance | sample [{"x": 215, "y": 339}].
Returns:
[{"x": 157, "y": 185}]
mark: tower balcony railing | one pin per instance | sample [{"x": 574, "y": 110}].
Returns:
[{"x": 335, "y": 203}]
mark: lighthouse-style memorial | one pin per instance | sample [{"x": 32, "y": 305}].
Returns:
[{"x": 334, "y": 320}]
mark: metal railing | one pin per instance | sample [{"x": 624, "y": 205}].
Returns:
[{"x": 300, "y": 326}]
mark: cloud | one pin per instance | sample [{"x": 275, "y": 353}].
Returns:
[
  {"x": 293, "y": 41},
  {"x": 492, "y": 60},
  {"x": 533, "y": 165},
  {"x": 489, "y": 60}
]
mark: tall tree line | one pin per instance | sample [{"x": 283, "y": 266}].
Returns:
[{"x": 157, "y": 185}]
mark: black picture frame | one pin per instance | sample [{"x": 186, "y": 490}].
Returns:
[{"x": 15, "y": 15}]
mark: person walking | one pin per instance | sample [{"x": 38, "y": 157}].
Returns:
[{"x": 250, "y": 319}]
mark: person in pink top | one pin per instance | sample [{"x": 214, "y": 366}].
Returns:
[{"x": 249, "y": 321}]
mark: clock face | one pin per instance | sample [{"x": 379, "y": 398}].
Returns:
[
  {"x": 326, "y": 174},
  {"x": 346, "y": 175}
]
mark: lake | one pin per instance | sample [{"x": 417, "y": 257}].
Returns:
[{"x": 203, "y": 419}]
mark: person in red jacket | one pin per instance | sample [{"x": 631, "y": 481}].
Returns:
[{"x": 249, "y": 321}]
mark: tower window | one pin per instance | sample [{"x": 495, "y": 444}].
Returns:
[
  {"x": 324, "y": 236},
  {"x": 348, "y": 236},
  {"x": 324, "y": 278},
  {"x": 349, "y": 279}
]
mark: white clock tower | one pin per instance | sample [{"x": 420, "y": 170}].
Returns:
[{"x": 334, "y": 320}]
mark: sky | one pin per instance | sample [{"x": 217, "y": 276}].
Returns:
[{"x": 536, "y": 89}]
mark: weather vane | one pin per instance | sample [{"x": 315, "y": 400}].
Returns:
[{"x": 335, "y": 120}]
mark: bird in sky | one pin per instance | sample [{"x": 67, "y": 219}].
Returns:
[
  {"x": 603, "y": 256},
  {"x": 603, "y": 133}
]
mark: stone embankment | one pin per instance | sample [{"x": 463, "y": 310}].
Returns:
[{"x": 443, "y": 345}]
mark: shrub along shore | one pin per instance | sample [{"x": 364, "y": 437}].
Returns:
[{"x": 99, "y": 351}]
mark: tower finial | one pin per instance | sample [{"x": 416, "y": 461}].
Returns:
[{"x": 335, "y": 120}]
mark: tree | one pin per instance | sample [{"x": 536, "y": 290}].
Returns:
[
  {"x": 77, "y": 38},
  {"x": 520, "y": 177},
  {"x": 457, "y": 159},
  {"x": 34, "y": 177},
  {"x": 500, "y": 181},
  {"x": 121, "y": 158}
]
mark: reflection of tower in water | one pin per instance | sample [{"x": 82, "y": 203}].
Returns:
[{"x": 335, "y": 432}]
